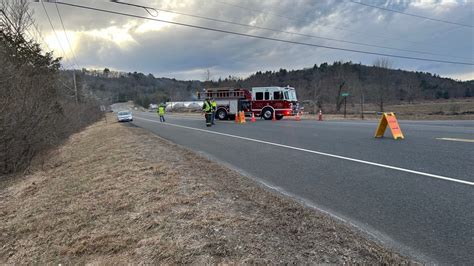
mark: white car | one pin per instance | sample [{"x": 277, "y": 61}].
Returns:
[{"x": 124, "y": 116}]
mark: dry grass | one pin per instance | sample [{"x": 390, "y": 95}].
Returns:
[
  {"x": 458, "y": 109},
  {"x": 453, "y": 109},
  {"x": 439, "y": 109},
  {"x": 115, "y": 194}
]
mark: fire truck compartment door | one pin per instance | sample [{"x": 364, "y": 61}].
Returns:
[{"x": 233, "y": 107}]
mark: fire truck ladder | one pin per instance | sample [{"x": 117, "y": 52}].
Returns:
[{"x": 222, "y": 94}]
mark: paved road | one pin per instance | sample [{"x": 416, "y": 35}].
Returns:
[{"x": 416, "y": 195}]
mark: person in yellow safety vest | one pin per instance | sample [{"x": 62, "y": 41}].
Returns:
[
  {"x": 207, "y": 108},
  {"x": 161, "y": 112},
  {"x": 214, "y": 107}
]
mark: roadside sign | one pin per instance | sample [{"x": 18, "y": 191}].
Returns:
[
  {"x": 345, "y": 94},
  {"x": 391, "y": 120}
]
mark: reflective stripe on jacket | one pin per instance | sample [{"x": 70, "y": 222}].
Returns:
[{"x": 207, "y": 107}]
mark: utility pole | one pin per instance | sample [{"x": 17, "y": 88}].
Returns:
[{"x": 75, "y": 87}]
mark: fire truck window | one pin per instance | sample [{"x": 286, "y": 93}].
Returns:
[
  {"x": 267, "y": 95},
  {"x": 259, "y": 96},
  {"x": 277, "y": 95},
  {"x": 286, "y": 95},
  {"x": 293, "y": 95}
]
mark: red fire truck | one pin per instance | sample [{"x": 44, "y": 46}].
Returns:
[{"x": 261, "y": 101}]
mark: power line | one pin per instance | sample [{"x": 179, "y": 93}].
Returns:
[
  {"x": 52, "y": 27},
  {"x": 379, "y": 36},
  {"x": 39, "y": 33},
  {"x": 67, "y": 38},
  {"x": 8, "y": 21},
  {"x": 20, "y": 35},
  {"x": 287, "y": 32},
  {"x": 147, "y": 9},
  {"x": 11, "y": 26},
  {"x": 30, "y": 17},
  {"x": 266, "y": 38},
  {"x": 412, "y": 15}
]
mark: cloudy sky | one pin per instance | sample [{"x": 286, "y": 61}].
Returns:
[{"x": 124, "y": 43}]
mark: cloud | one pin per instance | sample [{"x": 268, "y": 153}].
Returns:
[{"x": 131, "y": 44}]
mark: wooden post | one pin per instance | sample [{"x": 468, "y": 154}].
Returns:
[{"x": 345, "y": 101}]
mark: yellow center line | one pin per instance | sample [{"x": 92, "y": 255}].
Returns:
[{"x": 454, "y": 139}]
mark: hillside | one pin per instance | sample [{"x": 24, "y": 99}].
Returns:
[
  {"x": 320, "y": 85},
  {"x": 378, "y": 85},
  {"x": 111, "y": 86}
]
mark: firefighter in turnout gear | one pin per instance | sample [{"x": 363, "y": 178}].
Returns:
[
  {"x": 214, "y": 107},
  {"x": 161, "y": 112},
  {"x": 207, "y": 108}
]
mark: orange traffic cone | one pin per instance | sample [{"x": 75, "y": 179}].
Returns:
[
  {"x": 320, "y": 116},
  {"x": 242, "y": 117},
  {"x": 274, "y": 118},
  {"x": 253, "y": 118},
  {"x": 237, "y": 118},
  {"x": 298, "y": 118}
]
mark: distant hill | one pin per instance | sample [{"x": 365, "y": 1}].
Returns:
[
  {"x": 321, "y": 85},
  {"x": 324, "y": 84},
  {"x": 112, "y": 86}
]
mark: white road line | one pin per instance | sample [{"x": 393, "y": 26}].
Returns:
[
  {"x": 187, "y": 117},
  {"x": 322, "y": 153},
  {"x": 176, "y": 116},
  {"x": 461, "y": 140}
]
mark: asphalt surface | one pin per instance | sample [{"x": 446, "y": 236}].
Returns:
[{"x": 428, "y": 214}]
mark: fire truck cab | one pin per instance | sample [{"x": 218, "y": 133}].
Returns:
[
  {"x": 264, "y": 102},
  {"x": 279, "y": 100}
]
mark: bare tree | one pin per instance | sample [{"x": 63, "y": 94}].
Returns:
[
  {"x": 207, "y": 78},
  {"x": 383, "y": 62},
  {"x": 383, "y": 66},
  {"x": 207, "y": 75},
  {"x": 412, "y": 88},
  {"x": 339, "y": 83},
  {"x": 339, "y": 98},
  {"x": 19, "y": 14},
  {"x": 315, "y": 83}
]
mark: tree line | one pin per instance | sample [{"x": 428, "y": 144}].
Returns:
[
  {"x": 143, "y": 89},
  {"x": 320, "y": 85},
  {"x": 38, "y": 109},
  {"x": 379, "y": 84}
]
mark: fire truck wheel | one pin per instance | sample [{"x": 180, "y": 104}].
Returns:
[
  {"x": 221, "y": 114},
  {"x": 267, "y": 113}
]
